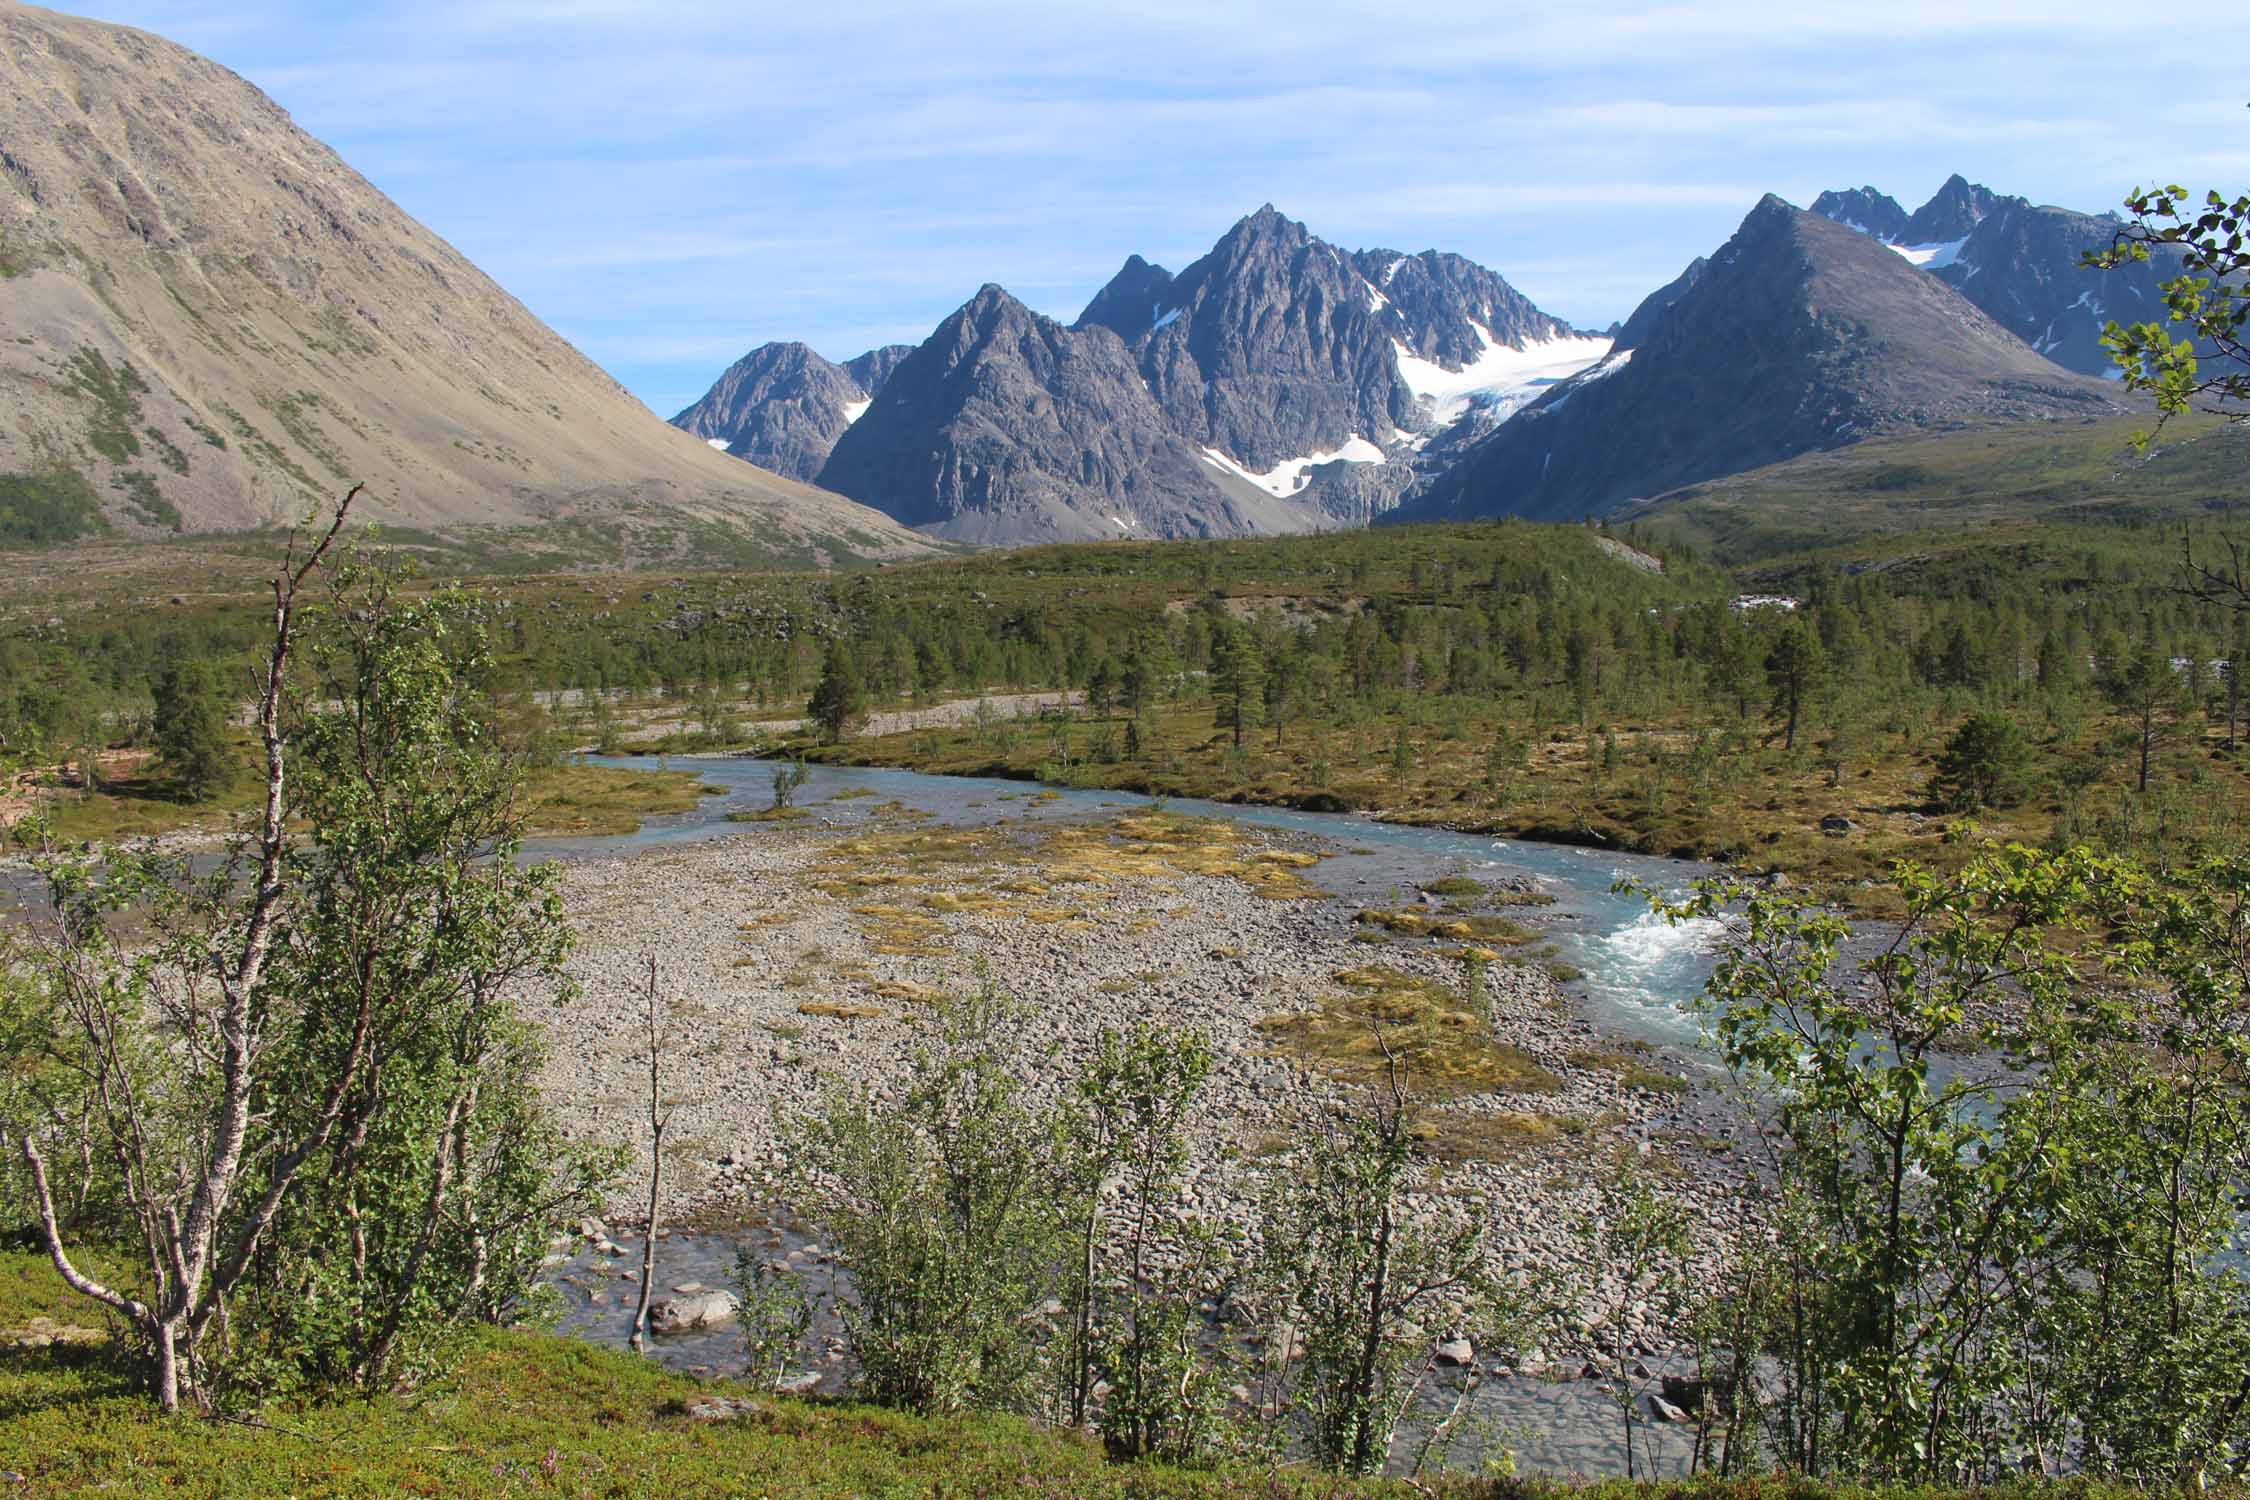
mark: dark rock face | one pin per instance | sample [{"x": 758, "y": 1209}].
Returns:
[
  {"x": 872, "y": 370},
  {"x": 2022, "y": 266},
  {"x": 1278, "y": 344},
  {"x": 1131, "y": 302},
  {"x": 1252, "y": 392},
  {"x": 1278, "y": 349},
  {"x": 1635, "y": 329},
  {"x": 1866, "y": 210},
  {"x": 1435, "y": 298},
  {"x": 1800, "y": 334},
  {"x": 2020, "y": 263},
  {"x": 1006, "y": 427},
  {"x": 1952, "y": 213},
  {"x": 782, "y": 406}
]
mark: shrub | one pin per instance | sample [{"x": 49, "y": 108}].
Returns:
[{"x": 56, "y": 506}]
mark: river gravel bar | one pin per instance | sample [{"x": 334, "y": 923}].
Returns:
[{"x": 793, "y": 954}]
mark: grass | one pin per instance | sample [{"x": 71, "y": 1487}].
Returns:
[
  {"x": 606, "y": 800},
  {"x": 145, "y": 499},
  {"x": 1455, "y": 1136},
  {"x": 909, "y": 882},
  {"x": 115, "y": 398},
  {"x": 1483, "y": 931},
  {"x": 1632, "y": 1066},
  {"x": 563, "y": 800},
  {"x": 1456, "y": 888},
  {"x": 534, "y": 1414},
  {"x": 1994, "y": 485},
  {"x": 1446, "y": 1048},
  {"x": 771, "y": 815}
]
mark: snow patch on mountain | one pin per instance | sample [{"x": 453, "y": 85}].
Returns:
[
  {"x": 1293, "y": 474},
  {"x": 1163, "y": 319},
  {"x": 722, "y": 444},
  {"x": 854, "y": 410},
  {"x": 1500, "y": 377},
  {"x": 1609, "y": 365},
  {"x": 1930, "y": 257}
]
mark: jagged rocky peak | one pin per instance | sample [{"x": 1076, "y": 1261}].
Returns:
[
  {"x": 1131, "y": 303},
  {"x": 1274, "y": 383},
  {"x": 993, "y": 310},
  {"x": 1277, "y": 346},
  {"x": 1866, "y": 210},
  {"x": 1263, "y": 226},
  {"x": 1007, "y": 427},
  {"x": 2022, "y": 266},
  {"x": 871, "y": 370},
  {"x": 1953, "y": 213},
  {"x": 1438, "y": 302},
  {"x": 781, "y": 406}
]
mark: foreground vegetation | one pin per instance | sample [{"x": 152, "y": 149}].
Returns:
[{"x": 525, "y": 1413}]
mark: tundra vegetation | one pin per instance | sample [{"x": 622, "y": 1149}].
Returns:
[{"x": 1514, "y": 678}]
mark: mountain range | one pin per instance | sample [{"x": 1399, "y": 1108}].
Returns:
[
  {"x": 1798, "y": 334},
  {"x": 1278, "y": 383},
  {"x": 209, "y": 322},
  {"x": 2018, "y": 262},
  {"x": 1282, "y": 383}
]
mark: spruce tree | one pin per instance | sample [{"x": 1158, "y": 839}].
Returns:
[
  {"x": 839, "y": 702},
  {"x": 191, "y": 726}
]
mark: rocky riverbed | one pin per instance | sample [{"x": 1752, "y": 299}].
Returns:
[{"x": 794, "y": 953}]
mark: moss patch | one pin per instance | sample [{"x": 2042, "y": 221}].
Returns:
[
  {"x": 1634, "y": 1066},
  {"x": 1488, "y": 931},
  {"x": 770, "y": 815},
  {"x": 1447, "y": 1049}
]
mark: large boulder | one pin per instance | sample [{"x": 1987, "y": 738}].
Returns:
[{"x": 690, "y": 1311}]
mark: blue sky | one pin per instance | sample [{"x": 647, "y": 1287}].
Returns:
[{"x": 670, "y": 184}]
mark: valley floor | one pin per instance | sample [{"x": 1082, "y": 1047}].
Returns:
[{"x": 794, "y": 955}]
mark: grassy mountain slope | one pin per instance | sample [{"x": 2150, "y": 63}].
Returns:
[
  {"x": 1872, "y": 499},
  {"x": 208, "y": 321}
]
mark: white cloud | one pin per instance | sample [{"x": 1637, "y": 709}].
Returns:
[{"x": 643, "y": 174}]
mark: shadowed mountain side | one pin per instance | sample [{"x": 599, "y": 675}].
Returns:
[
  {"x": 1007, "y": 427},
  {"x": 2021, "y": 263},
  {"x": 1801, "y": 334}
]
